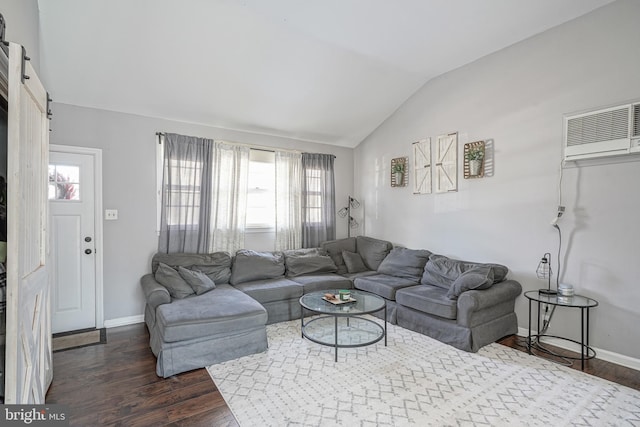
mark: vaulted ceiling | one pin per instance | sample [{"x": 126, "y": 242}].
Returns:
[{"x": 328, "y": 71}]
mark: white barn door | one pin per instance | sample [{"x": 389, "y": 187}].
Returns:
[{"x": 29, "y": 369}]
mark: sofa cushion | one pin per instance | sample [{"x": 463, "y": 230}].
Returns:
[
  {"x": 318, "y": 282},
  {"x": 335, "y": 247},
  {"x": 480, "y": 277},
  {"x": 354, "y": 262},
  {"x": 170, "y": 279},
  {"x": 442, "y": 271},
  {"x": 199, "y": 282},
  {"x": 372, "y": 251},
  {"x": 251, "y": 265},
  {"x": 224, "y": 310},
  {"x": 383, "y": 285},
  {"x": 269, "y": 290},
  {"x": 428, "y": 299},
  {"x": 307, "y": 261},
  {"x": 403, "y": 262},
  {"x": 217, "y": 265}
]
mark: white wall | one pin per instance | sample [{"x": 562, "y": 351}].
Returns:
[
  {"x": 129, "y": 158},
  {"x": 22, "y": 21},
  {"x": 517, "y": 97}
]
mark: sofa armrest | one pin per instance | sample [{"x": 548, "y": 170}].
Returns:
[
  {"x": 154, "y": 292},
  {"x": 499, "y": 298}
]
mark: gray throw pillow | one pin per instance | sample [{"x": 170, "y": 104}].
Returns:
[
  {"x": 354, "y": 262},
  {"x": 251, "y": 265},
  {"x": 198, "y": 281},
  {"x": 406, "y": 263},
  {"x": 480, "y": 277},
  {"x": 170, "y": 279}
]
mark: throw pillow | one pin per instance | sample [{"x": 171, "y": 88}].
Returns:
[
  {"x": 198, "y": 281},
  {"x": 403, "y": 262},
  {"x": 354, "y": 262},
  {"x": 480, "y": 277},
  {"x": 170, "y": 279}
]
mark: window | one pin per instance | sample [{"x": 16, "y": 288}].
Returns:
[
  {"x": 313, "y": 201},
  {"x": 64, "y": 182},
  {"x": 184, "y": 198},
  {"x": 261, "y": 191}
]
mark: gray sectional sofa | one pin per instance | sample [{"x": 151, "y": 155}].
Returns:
[{"x": 203, "y": 309}]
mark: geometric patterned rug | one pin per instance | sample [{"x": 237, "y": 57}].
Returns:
[{"x": 415, "y": 380}]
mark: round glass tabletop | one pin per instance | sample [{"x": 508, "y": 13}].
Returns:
[
  {"x": 364, "y": 303},
  {"x": 573, "y": 301}
]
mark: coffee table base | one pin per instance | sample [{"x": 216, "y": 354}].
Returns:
[{"x": 346, "y": 331}]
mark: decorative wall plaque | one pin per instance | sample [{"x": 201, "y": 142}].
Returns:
[
  {"x": 446, "y": 167},
  {"x": 422, "y": 166},
  {"x": 399, "y": 172}
]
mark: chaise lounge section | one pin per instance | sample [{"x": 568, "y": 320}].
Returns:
[
  {"x": 191, "y": 330},
  {"x": 198, "y": 330}
]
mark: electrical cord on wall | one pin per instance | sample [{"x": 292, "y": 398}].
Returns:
[
  {"x": 548, "y": 313},
  {"x": 557, "y": 227}
]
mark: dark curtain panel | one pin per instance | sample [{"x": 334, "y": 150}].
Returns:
[
  {"x": 186, "y": 192},
  {"x": 318, "y": 199}
]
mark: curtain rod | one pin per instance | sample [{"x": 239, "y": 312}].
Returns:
[{"x": 252, "y": 146}]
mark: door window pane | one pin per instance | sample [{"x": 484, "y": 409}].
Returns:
[{"x": 64, "y": 182}]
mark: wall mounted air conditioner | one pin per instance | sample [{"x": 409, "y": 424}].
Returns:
[{"x": 608, "y": 132}]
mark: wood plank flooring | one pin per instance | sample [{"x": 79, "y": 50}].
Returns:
[{"x": 115, "y": 384}]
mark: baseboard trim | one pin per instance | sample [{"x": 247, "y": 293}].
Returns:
[
  {"x": 124, "y": 321},
  {"x": 609, "y": 356}
]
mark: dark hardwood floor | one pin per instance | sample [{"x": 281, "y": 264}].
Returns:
[
  {"x": 597, "y": 367},
  {"x": 115, "y": 384}
]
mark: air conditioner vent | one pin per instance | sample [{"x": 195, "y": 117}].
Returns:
[
  {"x": 635, "y": 131},
  {"x": 598, "y": 127}
]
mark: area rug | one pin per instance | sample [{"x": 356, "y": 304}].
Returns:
[
  {"x": 77, "y": 339},
  {"x": 415, "y": 380}
]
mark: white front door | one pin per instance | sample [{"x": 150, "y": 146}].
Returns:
[{"x": 72, "y": 226}]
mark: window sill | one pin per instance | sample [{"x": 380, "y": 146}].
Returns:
[{"x": 257, "y": 229}]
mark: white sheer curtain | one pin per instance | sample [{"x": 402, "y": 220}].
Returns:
[
  {"x": 288, "y": 200},
  {"x": 229, "y": 201}
]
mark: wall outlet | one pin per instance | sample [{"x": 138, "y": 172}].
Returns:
[
  {"x": 110, "y": 214},
  {"x": 561, "y": 210}
]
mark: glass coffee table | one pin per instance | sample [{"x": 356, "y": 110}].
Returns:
[{"x": 343, "y": 325}]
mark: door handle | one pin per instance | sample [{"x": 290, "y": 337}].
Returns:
[{"x": 88, "y": 251}]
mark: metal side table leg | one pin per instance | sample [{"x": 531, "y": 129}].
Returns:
[
  {"x": 385, "y": 324},
  {"x": 529, "y": 336},
  {"x": 336, "y": 323},
  {"x": 582, "y": 335}
]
